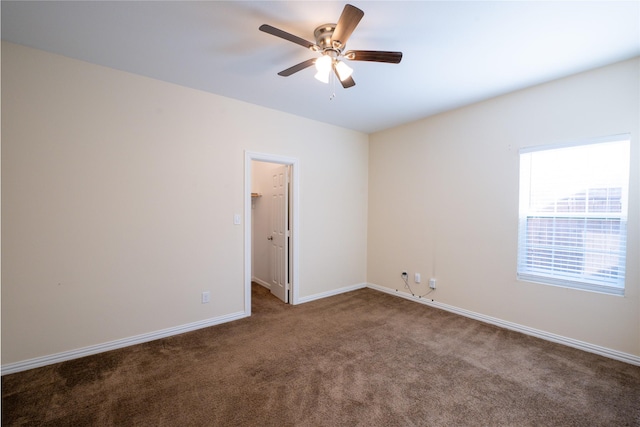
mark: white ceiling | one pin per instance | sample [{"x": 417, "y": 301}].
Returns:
[{"x": 455, "y": 53}]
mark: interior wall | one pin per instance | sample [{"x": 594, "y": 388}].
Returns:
[
  {"x": 443, "y": 201},
  {"x": 119, "y": 194}
]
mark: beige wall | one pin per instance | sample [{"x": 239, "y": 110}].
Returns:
[
  {"x": 443, "y": 201},
  {"x": 118, "y": 197}
]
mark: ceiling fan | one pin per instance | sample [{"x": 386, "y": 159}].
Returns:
[{"x": 331, "y": 40}]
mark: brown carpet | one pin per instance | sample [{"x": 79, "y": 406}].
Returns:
[{"x": 363, "y": 358}]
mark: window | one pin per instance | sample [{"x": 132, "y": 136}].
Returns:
[{"x": 573, "y": 214}]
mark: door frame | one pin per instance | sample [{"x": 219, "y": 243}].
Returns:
[{"x": 294, "y": 210}]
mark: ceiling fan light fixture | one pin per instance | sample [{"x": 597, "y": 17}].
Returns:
[
  {"x": 323, "y": 65},
  {"x": 343, "y": 70},
  {"x": 323, "y": 77}
]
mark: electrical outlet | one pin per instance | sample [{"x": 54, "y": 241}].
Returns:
[
  {"x": 405, "y": 275},
  {"x": 416, "y": 278},
  {"x": 432, "y": 283},
  {"x": 206, "y": 297}
]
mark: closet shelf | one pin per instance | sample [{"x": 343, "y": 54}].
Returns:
[{"x": 256, "y": 195}]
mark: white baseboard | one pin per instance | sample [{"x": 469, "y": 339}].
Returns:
[
  {"x": 38, "y": 362},
  {"x": 570, "y": 342},
  {"x": 261, "y": 282},
  {"x": 321, "y": 295}
]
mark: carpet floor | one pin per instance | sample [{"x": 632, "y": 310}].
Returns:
[{"x": 363, "y": 358}]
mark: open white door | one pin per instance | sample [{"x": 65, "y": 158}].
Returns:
[
  {"x": 290, "y": 270},
  {"x": 279, "y": 227}
]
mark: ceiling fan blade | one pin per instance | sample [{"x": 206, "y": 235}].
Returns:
[
  {"x": 290, "y": 37},
  {"x": 346, "y": 83},
  {"x": 374, "y": 56},
  {"x": 347, "y": 22},
  {"x": 297, "y": 67}
]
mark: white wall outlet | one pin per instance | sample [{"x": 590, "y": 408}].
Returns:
[
  {"x": 432, "y": 283},
  {"x": 206, "y": 297},
  {"x": 416, "y": 278},
  {"x": 236, "y": 219}
]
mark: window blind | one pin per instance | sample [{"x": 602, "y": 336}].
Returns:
[{"x": 573, "y": 215}]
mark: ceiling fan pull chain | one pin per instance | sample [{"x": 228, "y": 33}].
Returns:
[{"x": 332, "y": 87}]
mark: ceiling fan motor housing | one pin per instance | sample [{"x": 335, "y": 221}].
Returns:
[{"x": 323, "y": 36}]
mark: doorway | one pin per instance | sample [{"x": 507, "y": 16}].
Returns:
[
  {"x": 270, "y": 227},
  {"x": 278, "y": 203}
]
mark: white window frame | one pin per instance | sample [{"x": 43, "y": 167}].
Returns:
[{"x": 554, "y": 275}]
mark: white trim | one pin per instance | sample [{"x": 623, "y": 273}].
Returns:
[
  {"x": 294, "y": 200},
  {"x": 38, "y": 362},
  {"x": 11, "y": 368},
  {"x": 570, "y": 342},
  {"x": 331, "y": 293},
  {"x": 261, "y": 282},
  {"x": 587, "y": 141}
]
